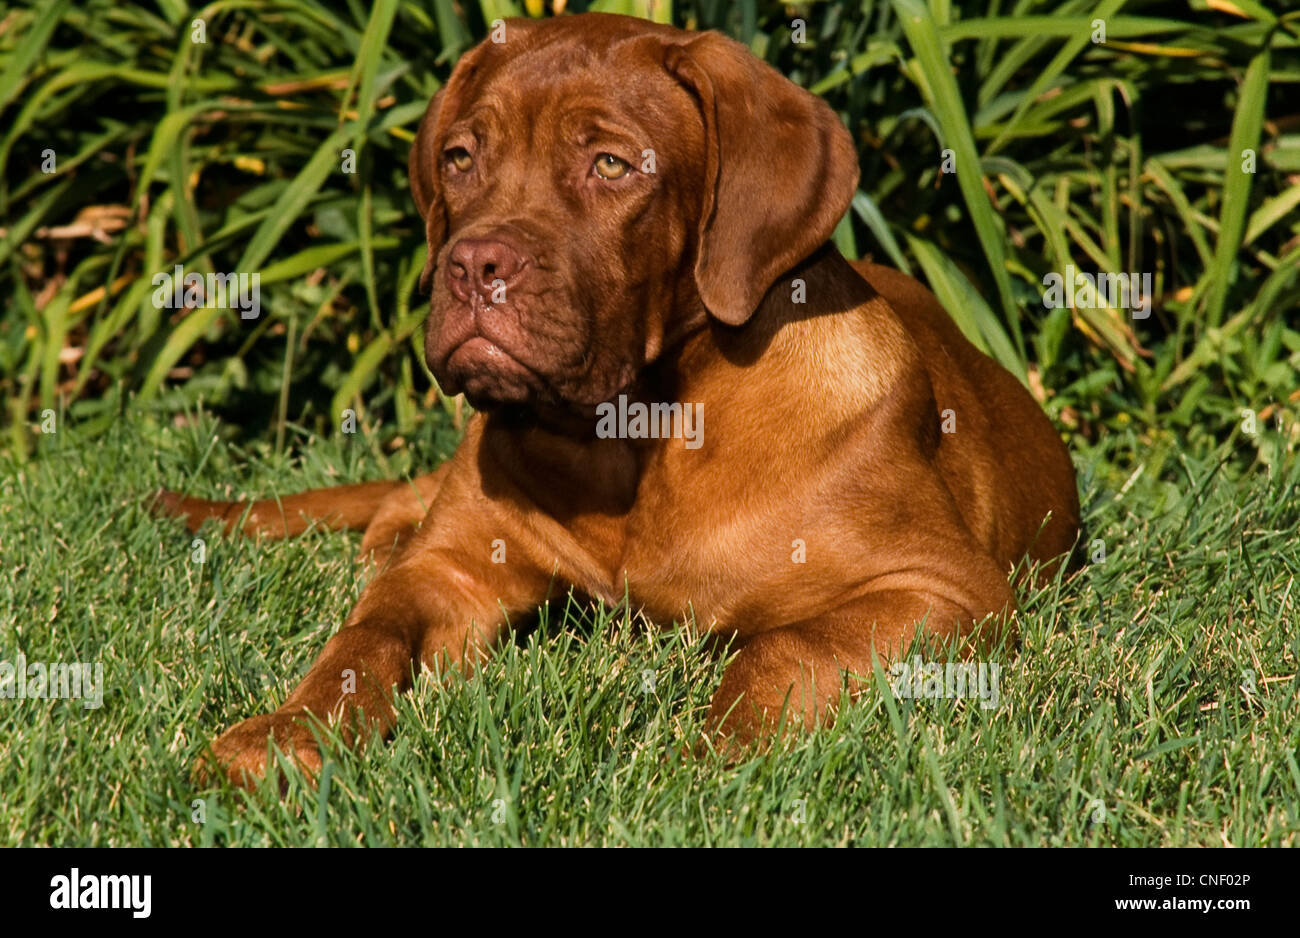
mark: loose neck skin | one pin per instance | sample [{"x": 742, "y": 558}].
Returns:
[{"x": 822, "y": 340}]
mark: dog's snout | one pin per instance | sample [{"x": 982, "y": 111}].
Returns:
[{"x": 482, "y": 265}]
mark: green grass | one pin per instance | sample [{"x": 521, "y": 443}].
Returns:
[
  {"x": 1125, "y": 701},
  {"x": 1126, "y": 692},
  {"x": 226, "y": 155}
]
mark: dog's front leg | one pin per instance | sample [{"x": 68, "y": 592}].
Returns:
[{"x": 434, "y": 606}]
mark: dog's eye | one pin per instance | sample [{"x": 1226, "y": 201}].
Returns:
[
  {"x": 460, "y": 158},
  {"x": 609, "y": 166}
]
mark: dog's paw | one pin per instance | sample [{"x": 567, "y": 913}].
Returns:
[{"x": 241, "y": 751}]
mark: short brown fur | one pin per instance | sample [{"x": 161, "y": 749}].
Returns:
[{"x": 822, "y": 418}]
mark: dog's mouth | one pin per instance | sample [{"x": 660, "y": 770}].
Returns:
[
  {"x": 525, "y": 354},
  {"x": 487, "y": 374}
]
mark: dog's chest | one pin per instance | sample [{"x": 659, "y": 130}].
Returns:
[{"x": 733, "y": 549}]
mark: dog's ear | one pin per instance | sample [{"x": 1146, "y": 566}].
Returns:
[
  {"x": 780, "y": 172},
  {"x": 425, "y": 171},
  {"x": 424, "y": 164}
]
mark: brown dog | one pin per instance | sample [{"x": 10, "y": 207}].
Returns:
[{"x": 628, "y": 215}]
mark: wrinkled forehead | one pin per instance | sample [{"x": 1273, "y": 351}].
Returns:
[{"x": 578, "y": 92}]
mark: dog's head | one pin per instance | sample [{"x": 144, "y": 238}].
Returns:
[{"x": 594, "y": 187}]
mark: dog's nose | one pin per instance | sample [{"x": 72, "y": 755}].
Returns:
[{"x": 482, "y": 265}]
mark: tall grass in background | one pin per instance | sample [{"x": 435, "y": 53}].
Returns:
[{"x": 1119, "y": 156}]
